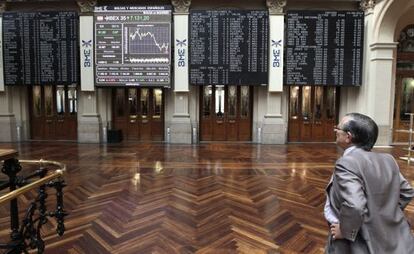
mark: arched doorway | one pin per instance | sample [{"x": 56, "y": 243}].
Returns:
[{"x": 404, "y": 84}]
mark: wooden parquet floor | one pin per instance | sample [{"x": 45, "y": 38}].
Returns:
[{"x": 207, "y": 198}]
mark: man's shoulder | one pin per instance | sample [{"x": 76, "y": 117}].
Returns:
[{"x": 359, "y": 156}]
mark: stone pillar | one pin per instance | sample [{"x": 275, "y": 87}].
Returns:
[
  {"x": 180, "y": 125},
  {"x": 273, "y": 130},
  {"x": 375, "y": 95},
  {"x": 380, "y": 87},
  {"x": 89, "y": 120}
]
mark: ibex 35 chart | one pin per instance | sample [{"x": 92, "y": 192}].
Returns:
[{"x": 133, "y": 45}]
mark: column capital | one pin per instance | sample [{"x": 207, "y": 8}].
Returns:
[
  {"x": 366, "y": 5},
  {"x": 275, "y": 6},
  {"x": 86, "y": 5},
  {"x": 181, "y": 6}
]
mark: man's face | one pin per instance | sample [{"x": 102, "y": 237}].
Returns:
[{"x": 343, "y": 138}]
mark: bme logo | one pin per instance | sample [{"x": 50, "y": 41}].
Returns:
[
  {"x": 276, "y": 52},
  {"x": 86, "y": 44},
  {"x": 87, "y": 53},
  {"x": 181, "y": 52}
]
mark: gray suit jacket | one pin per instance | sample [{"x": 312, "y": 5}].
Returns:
[{"x": 368, "y": 194}]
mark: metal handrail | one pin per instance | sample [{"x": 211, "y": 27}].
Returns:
[{"x": 58, "y": 173}]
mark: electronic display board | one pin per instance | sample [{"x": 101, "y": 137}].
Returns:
[
  {"x": 133, "y": 46},
  {"x": 229, "y": 47},
  {"x": 40, "y": 48},
  {"x": 324, "y": 48}
]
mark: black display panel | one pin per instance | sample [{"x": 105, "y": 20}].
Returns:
[
  {"x": 324, "y": 48},
  {"x": 40, "y": 48},
  {"x": 229, "y": 47},
  {"x": 133, "y": 46}
]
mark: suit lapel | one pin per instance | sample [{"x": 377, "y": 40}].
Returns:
[{"x": 328, "y": 187}]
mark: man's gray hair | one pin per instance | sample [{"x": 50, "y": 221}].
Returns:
[{"x": 363, "y": 129}]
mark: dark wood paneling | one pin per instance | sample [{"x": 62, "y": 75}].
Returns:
[
  {"x": 206, "y": 129},
  {"x": 232, "y": 129},
  {"x": 294, "y": 130},
  {"x": 157, "y": 129},
  {"x": 145, "y": 129},
  {"x": 306, "y": 131},
  {"x": 245, "y": 129},
  {"x": 219, "y": 129},
  {"x": 133, "y": 129}
]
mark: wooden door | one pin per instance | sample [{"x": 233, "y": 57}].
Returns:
[
  {"x": 226, "y": 113},
  {"x": 312, "y": 113},
  {"x": 133, "y": 128},
  {"x": 139, "y": 113},
  {"x": 121, "y": 110},
  {"x": 206, "y": 113},
  {"x": 53, "y": 112},
  {"x": 66, "y": 112},
  {"x": 157, "y": 114},
  {"x": 219, "y": 123},
  {"x": 232, "y": 125},
  {"x": 145, "y": 116},
  {"x": 49, "y": 113},
  {"x": 245, "y": 106},
  {"x": 36, "y": 113}
]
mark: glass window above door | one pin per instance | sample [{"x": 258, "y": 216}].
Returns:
[
  {"x": 60, "y": 100},
  {"x": 220, "y": 101}
]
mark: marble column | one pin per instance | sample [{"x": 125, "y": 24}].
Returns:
[
  {"x": 180, "y": 124},
  {"x": 89, "y": 119},
  {"x": 273, "y": 129}
]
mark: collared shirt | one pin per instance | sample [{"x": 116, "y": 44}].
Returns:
[{"x": 330, "y": 216}]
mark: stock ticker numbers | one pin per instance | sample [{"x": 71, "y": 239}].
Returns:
[
  {"x": 133, "y": 46},
  {"x": 40, "y": 48},
  {"x": 324, "y": 48},
  {"x": 229, "y": 47}
]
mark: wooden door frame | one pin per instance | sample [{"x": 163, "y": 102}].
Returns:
[
  {"x": 212, "y": 118},
  {"x": 298, "y": 123},
  {"x": 202, "y": 124},
  {"x": 69, "y": 121},
  {"x": 125, "y": 120}
]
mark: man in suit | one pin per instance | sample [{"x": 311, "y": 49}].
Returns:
[{"x": 366, "y": 195}]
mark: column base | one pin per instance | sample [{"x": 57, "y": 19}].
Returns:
[
  {"x": 384, "y": 136},
  {"x": 8, "y": 132},
  {"x": 90, "y": 129},
  {"x": 180, "y": 130},
  {"x": 273, "y": 131}
]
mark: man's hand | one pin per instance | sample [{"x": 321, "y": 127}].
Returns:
[{"x": 336, "y": 231}]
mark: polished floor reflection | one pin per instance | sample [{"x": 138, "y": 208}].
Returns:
[{"x": 207, "y": 198}]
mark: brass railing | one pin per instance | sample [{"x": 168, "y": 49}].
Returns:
[{"x": 28, "y": 236}]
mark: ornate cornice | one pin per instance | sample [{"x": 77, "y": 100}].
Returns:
[
  {"x": 367, "y": 4},
  {"x": 86, "y": 5},
  {"x": 181, "y": 6},
  {"x": 275, "y": 6}
]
